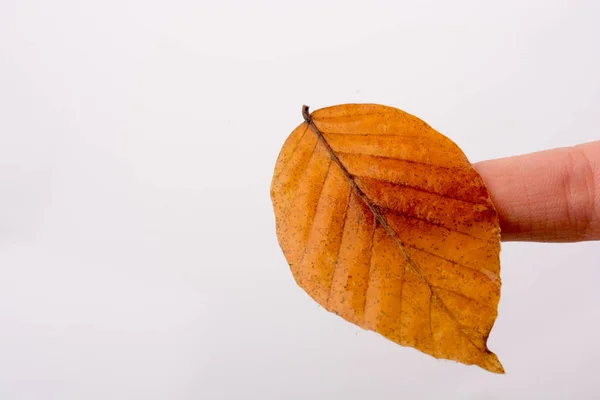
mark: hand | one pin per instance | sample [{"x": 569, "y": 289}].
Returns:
[{"x": 549, "y": 196}]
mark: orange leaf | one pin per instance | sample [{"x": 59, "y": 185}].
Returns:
[{"x": 384, "y": 222}]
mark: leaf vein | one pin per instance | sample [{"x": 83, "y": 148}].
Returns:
[
  {"x": 437, "y": 224},
  {"x": 312, "y": 220},
  {"x": 419, "y": 189},
  {"x": 337, "y": 257},
  {"x": 456, "y": 168},
  {"x": 304, "y": 172},
  {"x": 489, "y": 274},
  {"x": 464, "y": 296},
  {"x": 287, "y": 162},
  {"x": 382, "y": 113},
  {"x": 369, "y": 268}
]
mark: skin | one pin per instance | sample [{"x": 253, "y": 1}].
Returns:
[{"x": 548, "y": 196}]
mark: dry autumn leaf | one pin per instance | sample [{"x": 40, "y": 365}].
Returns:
[{"x": 385, "y": 223}]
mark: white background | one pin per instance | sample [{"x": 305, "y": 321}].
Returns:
[{"x": 138, "y": 257}]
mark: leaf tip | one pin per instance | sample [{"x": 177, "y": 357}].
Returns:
[{"x": 491, "y": 363}]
